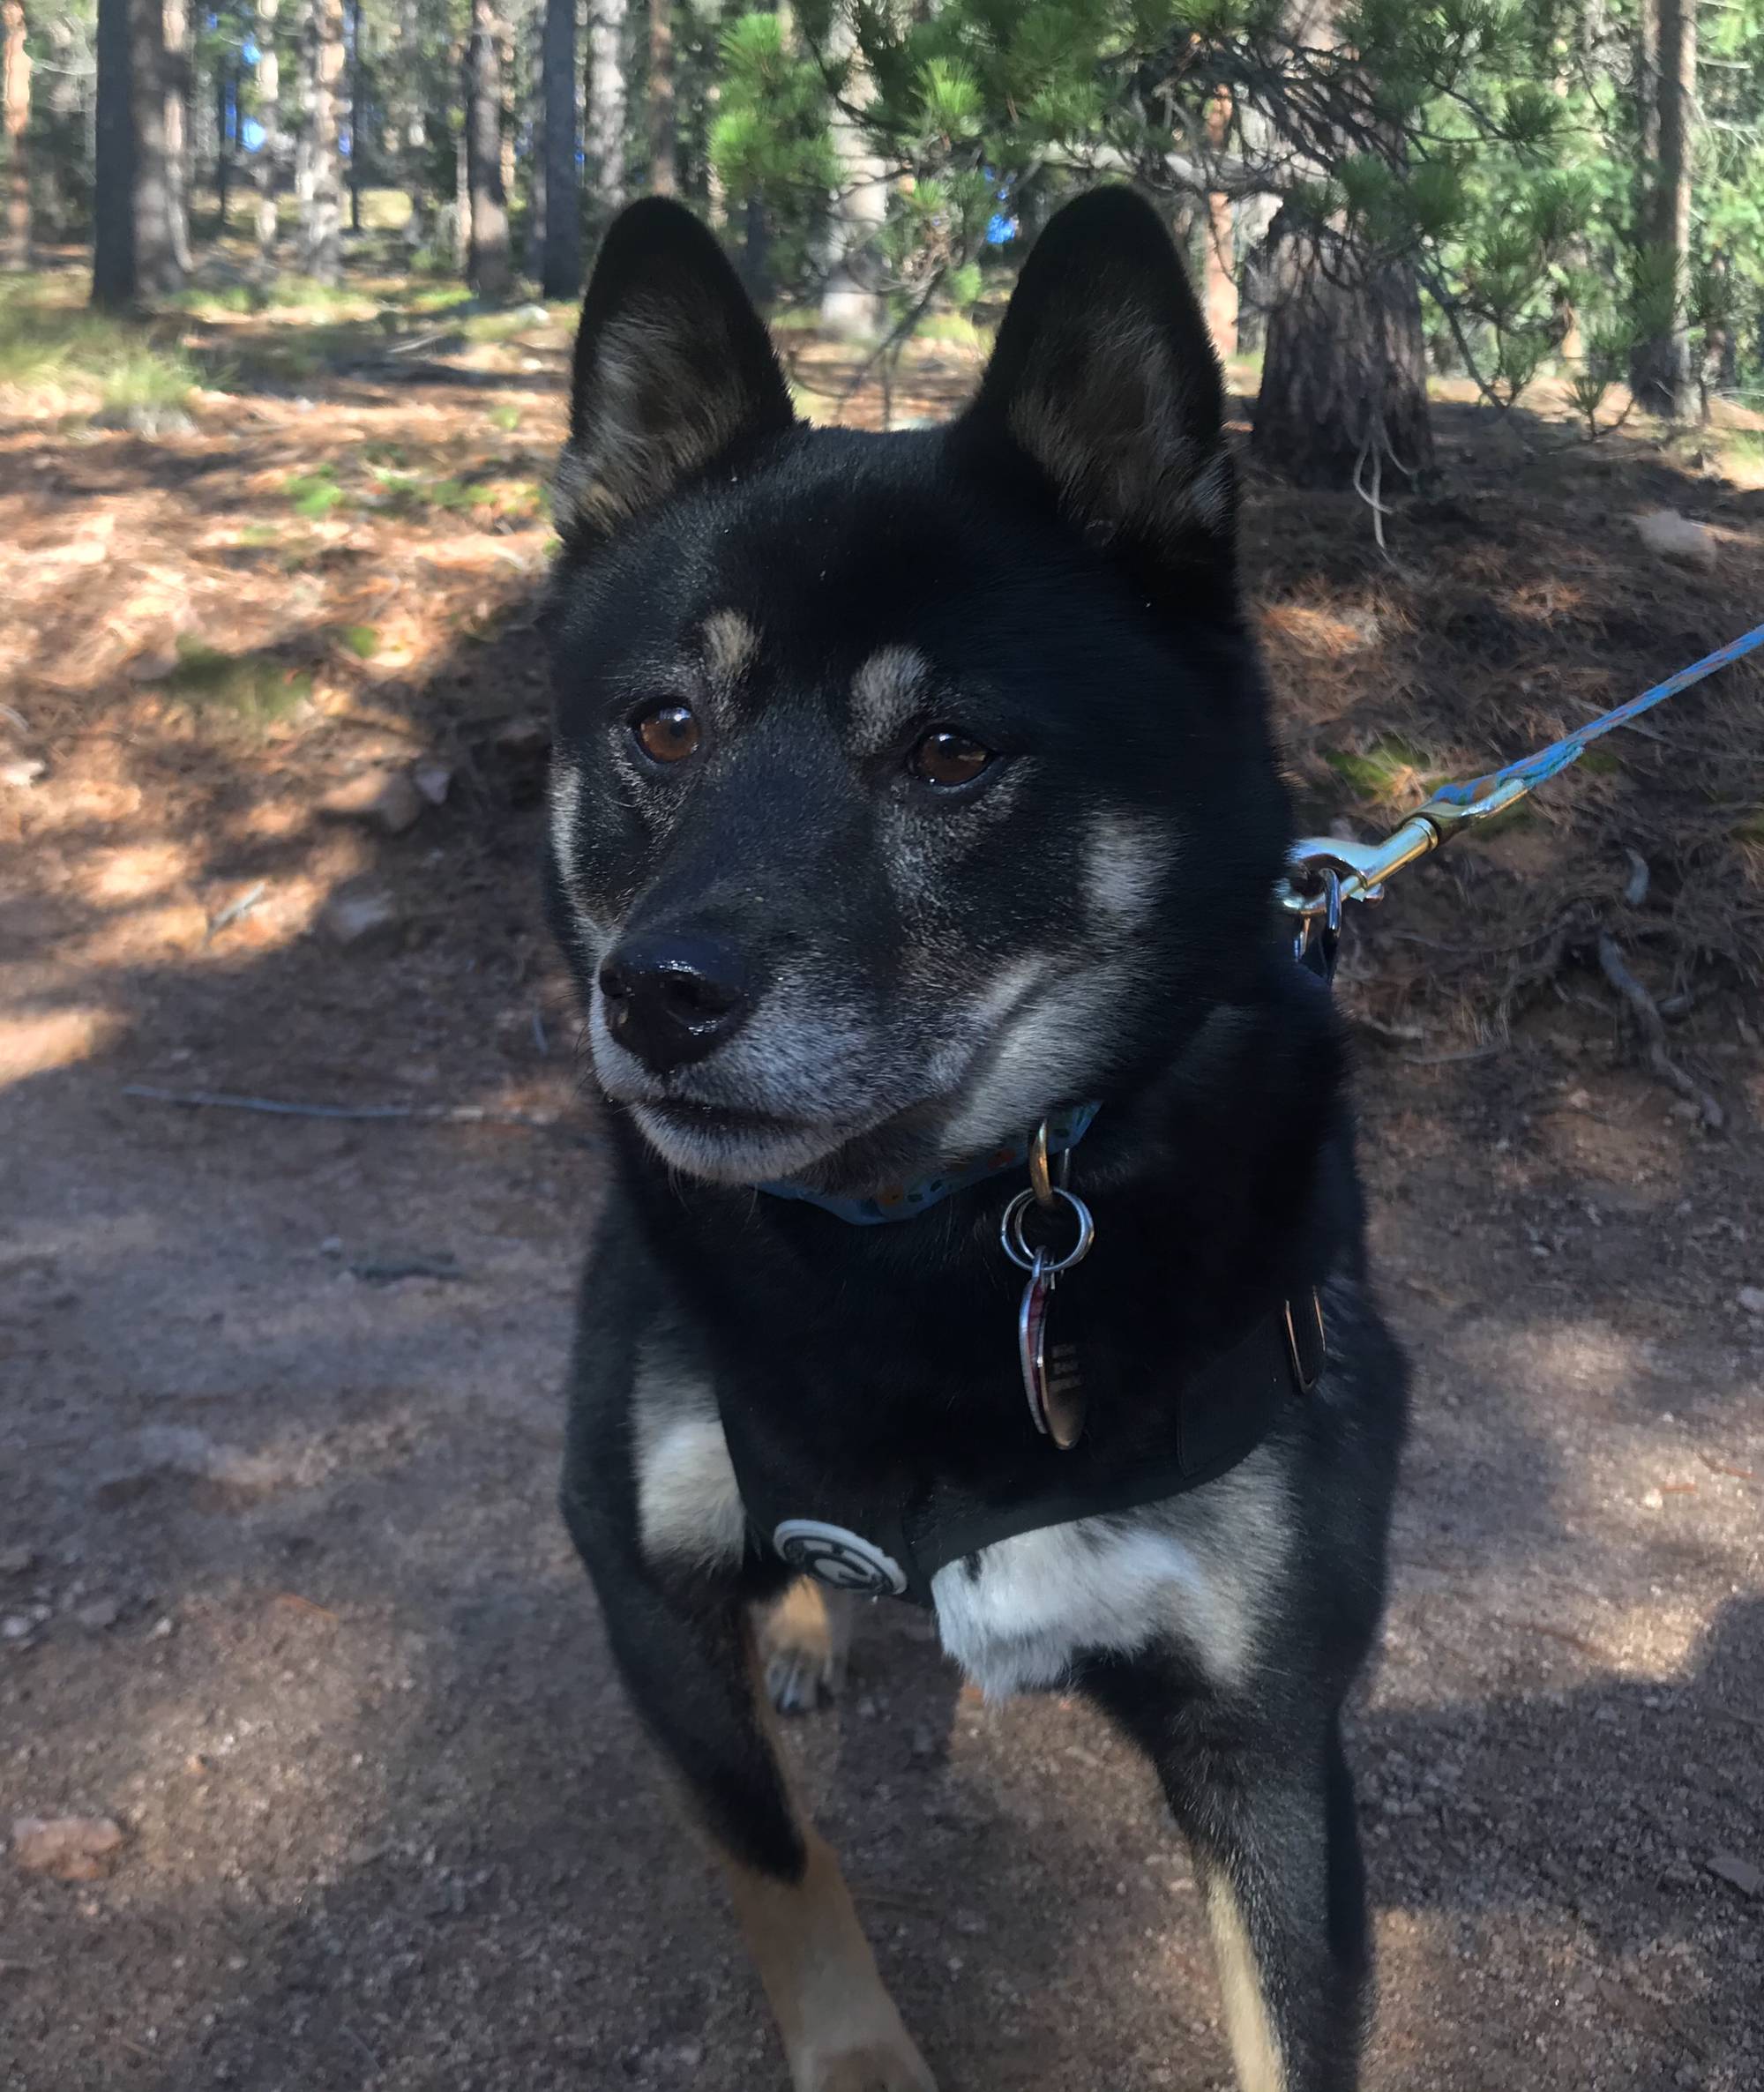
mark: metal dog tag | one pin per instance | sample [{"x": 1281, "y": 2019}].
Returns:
[{"x": 1050, "y": 1375}]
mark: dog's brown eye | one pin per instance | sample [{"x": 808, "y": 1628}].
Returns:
[
  {"x": 669, "y": 734},
  {"x": 946, "y": 756}
]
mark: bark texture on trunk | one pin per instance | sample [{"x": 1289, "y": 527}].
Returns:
[
  {"x": 604, "y": 113},
  {"x": 410, "y": 133},
  {"x": 269, "y": 115},
  {"x": 1660, "y": 373},
  {"x": 662, "y": 123},
  {"x": 177, "y": 80},
  {"x": 113, "y": 197},
  {"x": 357, "y": 115},
  {"x": 852, "y": 301},
  {"x": 1220, "y": 298},
  {"x": 1219, "y": 288},
  {"x": 225, "y": 88},
  {"x": 157, "y": 269},
  {"x": 1344, "y": 371},
  {"x": 15, "y": 96},
  {"x": 561, "y": 255},
  {"x": 321, "y": 203},
  {"x": 487, "y": 262}
]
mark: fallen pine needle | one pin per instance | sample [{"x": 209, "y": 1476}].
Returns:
[
  {"x": 291, "y": 1601},
  {"x": 462, "y": 1115},
  {"x": 1575, "y": 1642}
]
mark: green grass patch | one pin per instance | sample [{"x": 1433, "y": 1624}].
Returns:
[
  {"x": 314, "y": 494},
  {"x": 1385, "y": 771},
  {"x": 47, "y": 339},
  {"x": 362, "y": 640},
  {"x": 954, "y": 329},
  {"x": 506, "y": 418},
  {"x": 250, "y": 688}
]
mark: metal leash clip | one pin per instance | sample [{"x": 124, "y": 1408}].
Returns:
[{"x": 1362, "y": 868}]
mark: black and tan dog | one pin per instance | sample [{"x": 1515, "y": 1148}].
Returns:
[{"x": 913, "y": 793}]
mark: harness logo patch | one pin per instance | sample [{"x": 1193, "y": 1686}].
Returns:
[{"x": 845, "y": 1561}]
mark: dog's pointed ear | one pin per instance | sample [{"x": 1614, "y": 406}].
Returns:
[
  {"x": 1104, "y": 375},
  {"x": 673, "y": 366}
]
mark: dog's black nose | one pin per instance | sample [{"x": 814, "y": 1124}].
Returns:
[{"x": 673, "y": 999}]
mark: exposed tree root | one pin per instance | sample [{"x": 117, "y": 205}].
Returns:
[{"x": 1647, "y": 1012}]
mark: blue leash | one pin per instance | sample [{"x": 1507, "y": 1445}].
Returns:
[
  {"x": 1552, "y": 761},
  {"x": 1327, "y": 872}
]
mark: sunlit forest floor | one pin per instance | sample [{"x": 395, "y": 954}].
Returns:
[{"x": 281, "y": 1589}]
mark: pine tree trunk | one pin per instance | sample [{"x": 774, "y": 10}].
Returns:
[
  {"x": 604, "y": 113},
  {"x": 662, "y": 123},
  {"x": 508, "y": 77},
  {"x": 462, "y": 198},
  {"x": 1220, "y": 287},
  {"x": 756, "y": 251},
  {"x": 561, "y": 257},
  {"x": 1660, "y": 371},
  {"x": 1344, "y": 370},
  {"x": 321, "y": 205},
  {"x": 357, "y": 117},
  {"x": 113, "y": 189},
  {"x": 409, "y": 128},
  {"x": 226, "y": 89},
  {"x": 487, "y": 267},
  {"x": 269, "y": 115},
  {"x": 852, "y": 301},
  {"x": 177, "y": 71},
  {"x": 15, "y": 97},
  {"x": 151, "y": 198}
]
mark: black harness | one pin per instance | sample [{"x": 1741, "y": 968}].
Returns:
[
  {"x": 878, "y": 1540},
  {"x": 874, "y": 1541}
]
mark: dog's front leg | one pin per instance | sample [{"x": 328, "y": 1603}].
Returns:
[
  {"x": 1269, "y": 1813},
  {"x": 682, "y": 1640}
]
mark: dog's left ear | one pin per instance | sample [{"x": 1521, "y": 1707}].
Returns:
[
  {"x": 673, "y": 366},
  {"x": 1104, "y": 375}
]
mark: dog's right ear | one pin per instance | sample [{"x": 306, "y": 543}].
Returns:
[{"x": 673, "y": 366}]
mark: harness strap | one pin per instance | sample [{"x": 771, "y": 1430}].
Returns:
[{"x": 1221, "y": 1414}]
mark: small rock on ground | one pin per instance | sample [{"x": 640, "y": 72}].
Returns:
[
  {"x": 1673, "y": 536},
  {"x": 67, "y": 1848},
  {"x": 360, "y": 912},
  {"x": 387, "y": 799}
]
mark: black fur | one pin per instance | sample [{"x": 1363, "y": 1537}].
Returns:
[{"x": 1061, "y": 564}]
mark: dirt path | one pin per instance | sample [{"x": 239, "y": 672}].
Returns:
[{"x": 284, "y": 1592}]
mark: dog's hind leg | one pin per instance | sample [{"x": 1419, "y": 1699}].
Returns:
[
  {"x": 684, "y": 1645},
  {"x": 805, "y": 1639}
]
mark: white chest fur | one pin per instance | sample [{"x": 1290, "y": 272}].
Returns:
[{"x": 1198, "y": 1571}]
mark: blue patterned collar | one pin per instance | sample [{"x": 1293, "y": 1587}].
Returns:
[{"x": 1065, "y": 1128}]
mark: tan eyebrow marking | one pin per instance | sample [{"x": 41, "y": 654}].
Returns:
[
  {"x": 887, "y": 690},
  {"x": 730, "y": 644}
]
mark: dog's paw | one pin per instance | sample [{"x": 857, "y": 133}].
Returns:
[
  {"x": 878, "y": 2066},
  {"x": 797, "y": 1681},
  {"x": 802, "y": 1644}
]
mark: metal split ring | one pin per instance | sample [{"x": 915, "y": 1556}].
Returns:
[
  {"x": 1011, "y": 1234},
  {"x": 1329, "y": 914}
]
